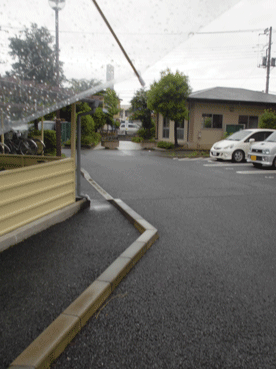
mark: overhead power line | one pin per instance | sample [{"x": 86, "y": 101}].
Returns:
[{"x": 146, "y": 33}]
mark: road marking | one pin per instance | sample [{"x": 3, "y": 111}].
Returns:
[
  {"x": 228, "y": 165},
  {"x": 254, "y": 172},
  {"x": 186, "y": 159}
]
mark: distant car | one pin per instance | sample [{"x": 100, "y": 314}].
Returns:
[
  {"x": 128, "y": 128},
  {"x": 236, "y": 146},
  {"x": 47, "y": 125},
  {"x": 263, "y": 153}
]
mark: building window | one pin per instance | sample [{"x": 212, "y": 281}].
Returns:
[
  {"x": 166, "y": 128},
  {"x": 180, "y": 130},
  {"x": 126, "y": 113},
  {"x": 212, "y": 121},
  {"x": 249, "y": 121}
]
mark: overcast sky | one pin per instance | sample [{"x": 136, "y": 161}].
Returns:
[
  {"x": 156, "y": 34},
  {"x": 227, "y": 52}
]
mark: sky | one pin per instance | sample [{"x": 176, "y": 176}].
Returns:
[
  {"x": 213, "y": 42},
  {"x": 227, "y": 52}
]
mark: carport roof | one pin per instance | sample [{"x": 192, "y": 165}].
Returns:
[{"x": 229, "y": 94}]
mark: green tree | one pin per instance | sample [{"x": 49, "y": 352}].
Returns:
[
  {"x": 35, "y": 56},
  {"x": 80, "y": 85},
  {"x": 268, "y": 119},
  {"x": 87, "y": 125},
  {"x": 169, "y": 96},
  {"x": 99, "y": 118},
  {"x": 139, "y": 110},
  {"x": 111, "y": 103}
]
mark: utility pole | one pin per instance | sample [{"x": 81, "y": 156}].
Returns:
[
  {"x": 268, "y": 60},
  {"x": 57, "y": 5}
]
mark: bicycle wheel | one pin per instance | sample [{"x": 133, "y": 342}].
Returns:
[
  {"x": 4, "y": 149},
  {"x": 10, "y": 146},
  {"x": 40, "y": 146},
  {"x": 28, "y": 147}
]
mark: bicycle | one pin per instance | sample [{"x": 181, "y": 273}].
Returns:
[
  {"x": 18, "y": 144},
  {"x": 40, "y": 145}
]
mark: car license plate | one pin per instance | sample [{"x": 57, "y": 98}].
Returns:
[
  {"x": 253, "y": 157},
  {"x": 214, "y": 153}
]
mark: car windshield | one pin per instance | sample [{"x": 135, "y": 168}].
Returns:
[
  {"x": 238, "y": 136},
  {"x": 271, "y": 138}
]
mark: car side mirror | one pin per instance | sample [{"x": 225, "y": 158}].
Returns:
[{"x": 251, "y": 140}]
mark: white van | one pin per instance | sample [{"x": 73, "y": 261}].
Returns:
[
  {"x": 128, "y": 128},
  {"x": 263, "y": 153}
]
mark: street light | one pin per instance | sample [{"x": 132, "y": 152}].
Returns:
[{"x": 57, "y": 5}]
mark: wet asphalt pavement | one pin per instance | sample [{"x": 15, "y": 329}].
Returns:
[
  {"x": 41, "y": 276},
  {"x": 203, "y": 296}
]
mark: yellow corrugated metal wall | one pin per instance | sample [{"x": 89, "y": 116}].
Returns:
[{"x": 29, "y": 193}]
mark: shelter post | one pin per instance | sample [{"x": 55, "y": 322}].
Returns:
[
  {"x": 2, "y": 125},
  {"x": 73, "y": 132}
]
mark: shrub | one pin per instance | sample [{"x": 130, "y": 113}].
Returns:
[
  {"x": 94, "y": 138},
  {"x": 99, "y": 118},
  {"x": 87, "y": 126},
  {"x": 146, "y": 133},
  {"x": 34, "y": 132},
  {"x": 165, "y": 145},
  {"x": 268, "y": 119},
  {"x": 137, "y": 139},
  {"x": 50, "y": 141}
]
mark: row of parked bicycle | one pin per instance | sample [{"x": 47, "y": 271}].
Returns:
[{"x": 16, "y": 142}]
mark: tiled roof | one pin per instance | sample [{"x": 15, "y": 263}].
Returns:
[{"x": 233, "y": 95}]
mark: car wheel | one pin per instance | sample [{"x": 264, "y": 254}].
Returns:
[
  {"x": 238, "y": 156},
  {"x": 274, "y": 164},
  {"x": 256, "y": 165}
]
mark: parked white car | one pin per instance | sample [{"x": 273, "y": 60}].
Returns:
[
  {"x": 128, "y": 128},
  {"x": 236, "y": 146},
  {"x": 263, "y": 153}
]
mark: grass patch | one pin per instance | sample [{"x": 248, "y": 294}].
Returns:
[
  {"x": 187, "y": 153},
  {"x": 165, "y": 145}
]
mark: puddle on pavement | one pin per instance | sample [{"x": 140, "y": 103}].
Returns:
[{"x": 97, "y": 205}]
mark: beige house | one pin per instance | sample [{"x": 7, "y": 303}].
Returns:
[{"x": 214, "y": 111}]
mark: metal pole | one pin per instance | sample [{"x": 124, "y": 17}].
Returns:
[
  {"x": 58, "y": 127},
  {"x": 268, "y": 61},
  {"x": 79, "y": 155},
  {"x": 2, "y": 124},
  {"x": 57, "y": 47}
]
